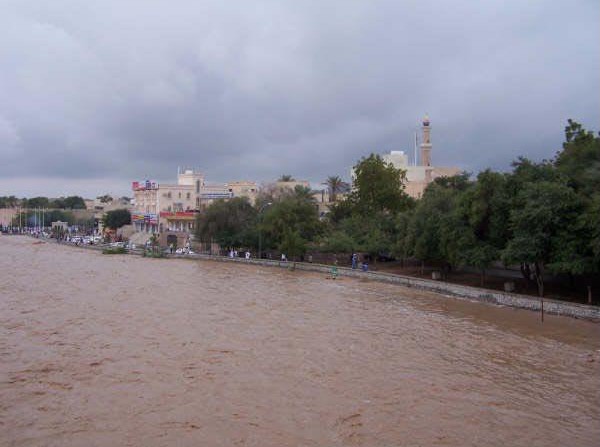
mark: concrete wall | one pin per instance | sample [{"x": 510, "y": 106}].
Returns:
[
  {"x": 489, "y": 296},
  {"x": 474, "y": 293}
]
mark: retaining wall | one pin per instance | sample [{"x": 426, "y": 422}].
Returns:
[{"x": 486, "y": 295}]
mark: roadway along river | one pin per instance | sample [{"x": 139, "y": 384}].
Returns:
[{"x": 100, "y": 350}]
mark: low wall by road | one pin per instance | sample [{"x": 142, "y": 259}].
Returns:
[{"x": 456, "y": 290}]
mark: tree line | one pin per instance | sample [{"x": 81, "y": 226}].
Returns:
[
  {"x": 33, "y": 218},
  {"x": 61, "y": 203},
  {"x": 542, "y": 216}
]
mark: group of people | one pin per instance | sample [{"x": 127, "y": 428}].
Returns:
[
  {"x": 355, "y": 264},
  {"x": 235, "y": 254}
]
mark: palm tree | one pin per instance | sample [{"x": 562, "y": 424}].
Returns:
[
  {"x": 303, "y": 193},
  {"x": 335, "y": 185},
  {"x": 286, "y": 178}
]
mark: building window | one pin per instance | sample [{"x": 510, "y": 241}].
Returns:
[
  {"x": 180, "y": 194},
  {"x": 169, "y": 194},
  {"x": 197, "y": 186},
  {"x": 188, "y": 195},
  {"x": 197, "y": 202}
]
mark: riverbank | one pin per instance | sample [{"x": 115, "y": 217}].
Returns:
[{"x": 529, "y": 302}]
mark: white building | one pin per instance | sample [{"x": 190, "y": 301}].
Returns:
[{"x": 419, "y": 175}]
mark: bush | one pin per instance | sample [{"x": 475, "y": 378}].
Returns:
[
  {"x": 153, "y": 254},
  {"x": 114, "y": 251}
]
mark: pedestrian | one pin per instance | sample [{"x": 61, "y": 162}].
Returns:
[
  {"x": 354, "y": 260},
  {"x": 247, "y": 255},
  {"x": 334, "y": 269},
  {"x": 283, "y": 257}
]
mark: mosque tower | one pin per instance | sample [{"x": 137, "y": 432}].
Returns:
[{"x": 426, "y": 144}]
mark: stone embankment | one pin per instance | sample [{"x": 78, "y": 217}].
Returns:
[
  {"x": 533, "y": 303},
  {"x": 474, "y": 293}
]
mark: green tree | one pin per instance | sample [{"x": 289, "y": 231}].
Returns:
[
  {"x": 293, "y": 244},
  {"x": 378, "y": 187},
  {"x": 435, "y": 232},
  {"x": 74, "y": 203},
  {"x": 9, "y": 202},
  {"x": 364, "y": 221},
  {"x": 482, "y": 216},
  {"x": 544, "y": 213},
  {"x": 116, "y": 219},
  {"x": 292, "y": 214},
  {"x": 401, "y": 243},
  {"x": 373, "y": 235},
  {"x": 106, "y": 198},
  {"x": 28, "y": 218},
  {"x": 229, "y": 223},
  {"x": 57, "y": 203},
  {"x": 338, "y": 241},
  {"x": 579, "y": 161},
  {"x": 302, "y": 193},
  {"x": 339, "y": 211},
  {"x": 335, "y": 185},
  {"x": 36, "y": 202}
]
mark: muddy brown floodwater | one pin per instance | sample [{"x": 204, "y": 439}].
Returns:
[{"x": 100, "y": 350}]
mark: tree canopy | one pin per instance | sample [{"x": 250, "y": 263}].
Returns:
[
  {"x": 229, "y": 223},
  {"x": 116, "y": 219}
]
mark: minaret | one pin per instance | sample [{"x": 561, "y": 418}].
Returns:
[{"x": 426, "y": 144}]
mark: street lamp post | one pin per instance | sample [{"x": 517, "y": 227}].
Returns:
[{"x": 260, "y": 229}]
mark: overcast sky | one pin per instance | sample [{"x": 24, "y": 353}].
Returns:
[{"x": 95, "y": 94}]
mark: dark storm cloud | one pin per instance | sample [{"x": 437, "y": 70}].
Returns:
[{"x": 113, "y": 91}]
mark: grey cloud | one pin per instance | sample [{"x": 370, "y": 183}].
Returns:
[{"x": 116, "y": 91}]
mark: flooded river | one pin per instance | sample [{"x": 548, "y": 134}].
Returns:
[{"x": 100, "y": 350}]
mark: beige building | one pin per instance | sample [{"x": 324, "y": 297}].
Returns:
[
  {"x": 103, "y": 204},
  {"x": 418, "y": 176},
  {"x": 173, "y": 207},
  {"x": 7, "y": 215},
  {"x": 243, "y": 189}
]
